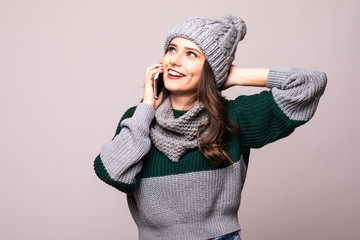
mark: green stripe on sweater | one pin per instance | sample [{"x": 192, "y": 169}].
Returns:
[
  {"x": 103, "y": 175},
  {"x": 261, "y": 121}
]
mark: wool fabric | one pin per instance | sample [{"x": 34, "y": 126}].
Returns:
[
  {"x": 173, "y": 136},
  {"x": 217, "y": 39},
  {"x": 191, "y": 199}
]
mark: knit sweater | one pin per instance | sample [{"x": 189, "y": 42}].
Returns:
[{"x": 190, "y": 199}]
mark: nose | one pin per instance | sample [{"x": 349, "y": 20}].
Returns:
[{"x": 176, "y": 60}]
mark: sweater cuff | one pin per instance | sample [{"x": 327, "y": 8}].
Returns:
[
  {"x": 277, "y": 77},
  {"x": 144, "y": 113}
]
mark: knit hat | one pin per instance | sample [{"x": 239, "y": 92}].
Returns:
[{"x": 217, "y": 39}]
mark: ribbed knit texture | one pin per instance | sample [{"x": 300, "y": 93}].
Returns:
[
  {"x": 136, "y": 131},
  {"x": 217, "y": 39},
  {"x": 190, "y": 199},
  {"x": 297, "y": 91}
]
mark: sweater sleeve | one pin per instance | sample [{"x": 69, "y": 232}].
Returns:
[
  {"x": 119, "y": 161},
  {"x": 270, "y": 115}
]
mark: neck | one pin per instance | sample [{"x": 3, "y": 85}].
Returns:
[{"x": 181, "y": 102}]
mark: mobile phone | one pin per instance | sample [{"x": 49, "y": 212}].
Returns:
[{"x": 158, "y": 84}]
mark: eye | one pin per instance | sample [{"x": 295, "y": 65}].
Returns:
[
  {"x": 171, "y": 49},
  {"x": 192, "y": 54}
]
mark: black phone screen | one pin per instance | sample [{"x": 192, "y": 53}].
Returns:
[{"x": 158, "y": 85}]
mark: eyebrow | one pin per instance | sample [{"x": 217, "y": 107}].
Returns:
[{"x": 188, "y": 48}]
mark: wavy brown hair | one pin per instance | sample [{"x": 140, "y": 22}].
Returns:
[{"x": 218, "y": 124}]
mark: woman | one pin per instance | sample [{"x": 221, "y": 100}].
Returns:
[{"x": 182, "y": 158}]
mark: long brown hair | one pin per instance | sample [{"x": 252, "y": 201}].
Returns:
[{"x": 218, "y": 123}]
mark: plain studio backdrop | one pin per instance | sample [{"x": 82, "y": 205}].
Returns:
[{"x": 69, "y": 70}]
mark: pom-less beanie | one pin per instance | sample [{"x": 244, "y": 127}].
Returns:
[{"x": 217, "y": 39}]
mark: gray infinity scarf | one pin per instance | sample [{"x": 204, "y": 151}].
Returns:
[{"x": 173, "y": 136}]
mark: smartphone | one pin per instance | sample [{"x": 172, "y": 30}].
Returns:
[{"x": 158, "y": 84}]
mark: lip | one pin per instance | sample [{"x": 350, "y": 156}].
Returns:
[
  {"x": 173, "y": 77},
  {"x": 175, "y": 71}
]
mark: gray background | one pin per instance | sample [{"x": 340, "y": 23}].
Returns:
[{"x": 69, "y": 69}]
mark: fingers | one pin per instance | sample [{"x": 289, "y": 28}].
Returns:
[
  {"x": 149, "y": 82},
  {"x": 151, "y": 70}
]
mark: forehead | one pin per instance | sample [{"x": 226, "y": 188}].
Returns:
[{"x": 183, "y": 42}]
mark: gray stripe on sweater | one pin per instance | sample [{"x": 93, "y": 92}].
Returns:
[
  {"x": 122, "y": 156},
  {"x": 179, "y": 205},
  {"x": 297, "y": 91}
]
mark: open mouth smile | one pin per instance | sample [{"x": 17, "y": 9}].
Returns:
[{"x": 174, "y": 74}]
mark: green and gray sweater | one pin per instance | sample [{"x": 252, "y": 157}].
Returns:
[{"x": 190, "y": 199}]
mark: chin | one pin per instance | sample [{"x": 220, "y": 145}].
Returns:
[
  {"x": 172, "y": 87},
  {"x": 173, "y": 90},
  {"x": 178, "y": 87}
]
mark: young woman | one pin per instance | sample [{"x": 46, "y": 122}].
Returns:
[{"x": 182, "y": 158}]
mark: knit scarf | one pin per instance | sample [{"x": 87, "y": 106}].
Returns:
[{"x": 173, "y": 136}]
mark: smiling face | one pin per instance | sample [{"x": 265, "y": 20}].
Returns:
[{"x": 183, "y": 64}]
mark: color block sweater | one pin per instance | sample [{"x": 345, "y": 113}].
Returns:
[{"x": 190, "y": 199}]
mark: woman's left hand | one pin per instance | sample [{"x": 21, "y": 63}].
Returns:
[{"x": 231, "y": 78}]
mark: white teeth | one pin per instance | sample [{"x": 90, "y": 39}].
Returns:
[{"x": 173, "y": 73}]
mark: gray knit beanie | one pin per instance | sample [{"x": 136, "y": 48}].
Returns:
[{"x": 217, "y": 39}]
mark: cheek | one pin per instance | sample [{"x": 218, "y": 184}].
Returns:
[
  {"x": 195, "y": 79},
  {"x": 166, "y": 59},
  {"x": 196, "y": 71}
]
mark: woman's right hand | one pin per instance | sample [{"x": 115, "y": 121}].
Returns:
[{"x": 149, "y": 86}]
